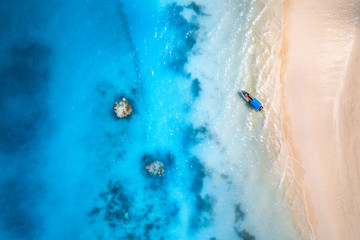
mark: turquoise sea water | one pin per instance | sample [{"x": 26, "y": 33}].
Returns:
[{"x": 72, "y": 170}]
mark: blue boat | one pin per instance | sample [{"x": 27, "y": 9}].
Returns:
[{"x": 253, "y": 101}]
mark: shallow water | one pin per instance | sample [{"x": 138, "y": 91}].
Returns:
[{"x": 74, "y": 171}]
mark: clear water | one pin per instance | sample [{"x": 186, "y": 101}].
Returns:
[{"x": 72, "y": 170}]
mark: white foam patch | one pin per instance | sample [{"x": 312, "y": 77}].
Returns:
[{"x": 228, "y": 57}]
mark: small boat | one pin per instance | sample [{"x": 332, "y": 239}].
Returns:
[{"x": 253, "y": 101}]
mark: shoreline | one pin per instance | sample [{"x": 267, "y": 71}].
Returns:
[{"x": 317, "y": 65}]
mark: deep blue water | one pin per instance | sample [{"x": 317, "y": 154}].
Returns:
[{"x": 70, "y": 168}]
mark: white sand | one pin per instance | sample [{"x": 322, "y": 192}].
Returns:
[{"x": 321, "y": 82}]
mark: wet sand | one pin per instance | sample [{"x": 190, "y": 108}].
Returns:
[{"x": 320, "y": 75}]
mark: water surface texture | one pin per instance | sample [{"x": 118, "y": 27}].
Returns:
[{"x": 72, "y": 170}]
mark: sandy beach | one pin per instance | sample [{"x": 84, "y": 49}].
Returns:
[{"x": 320, "y": 76}]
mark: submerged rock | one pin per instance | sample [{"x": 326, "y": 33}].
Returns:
[
  {"x": 156, "y": 168},
  {"x": 117, "y": 205},
  {"x": 122, "y": 109}
]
